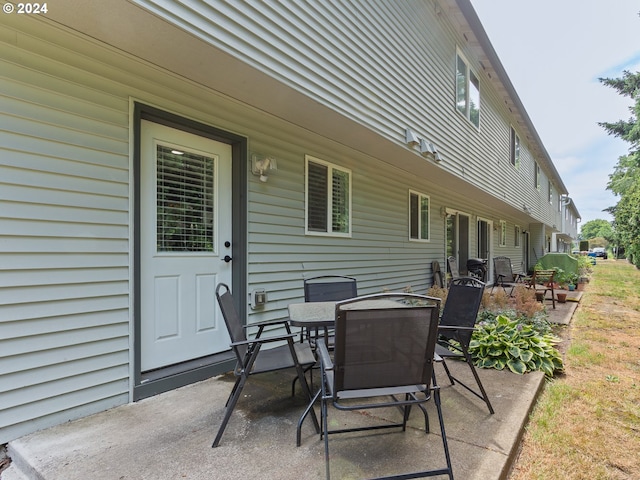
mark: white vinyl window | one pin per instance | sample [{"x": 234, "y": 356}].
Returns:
[
  {"x": 503, "y": 233},
  {"x": 550, "y": 192},
  {"x": 514, "y": 154},
  {"x": 536, "y": 176},
  {"x": 467, "y": 91},
  {"x": 328, "y": 198},
  {"x": 419, "y": 216},
  {"x": 517, "y": 232}
]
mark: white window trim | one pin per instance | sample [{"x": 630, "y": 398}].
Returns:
[
  {"x": 467, "y": 112},
  {"x": 503, "y": 233},
  {"x": 420, "y": 197},
  {"x": 514, "y": 153},
  {"x": 331, "y": 167}
]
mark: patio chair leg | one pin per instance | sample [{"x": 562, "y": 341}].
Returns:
[
  {"x": 303, "y": 416},
  {"x": 446, "y": 369},
  {"x": 229, "y": 406},
  {"x": 436, "y": 399},
  {"x": 485, "y": 397},
  {"x": 304, "y": 384}
]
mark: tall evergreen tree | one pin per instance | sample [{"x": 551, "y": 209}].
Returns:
[{"x": 624, "y": 182}]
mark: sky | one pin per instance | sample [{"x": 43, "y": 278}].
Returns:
[{"x": 554, "y": 52}]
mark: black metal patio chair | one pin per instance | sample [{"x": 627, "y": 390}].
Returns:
[
  {"x": 452, "y": 266},
  {"x": 504, "y": 276},
  {"x": 456, "y": 327},
  {"x": 384, "y": 347},
  {"x": 253, "y": 359},
  {"x": 328, "y": 288}
]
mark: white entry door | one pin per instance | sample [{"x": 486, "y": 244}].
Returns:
[{"x": 185, "y": 234}]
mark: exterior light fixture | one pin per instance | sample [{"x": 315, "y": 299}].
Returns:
[{"x": 263, "y": 165}]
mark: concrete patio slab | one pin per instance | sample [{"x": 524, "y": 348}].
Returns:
[{"x": 169, "y": 436}]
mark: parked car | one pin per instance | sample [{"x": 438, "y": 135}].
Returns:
[{"x": 600, "y": 252}]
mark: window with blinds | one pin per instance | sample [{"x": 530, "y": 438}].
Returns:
[
  {"x": 328, "y": 189},
  {"x": 185, "y": 201},
  {"x": 419, "y": 216}
]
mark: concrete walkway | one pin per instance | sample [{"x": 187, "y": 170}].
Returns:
[{"x": 169, "y": 436}]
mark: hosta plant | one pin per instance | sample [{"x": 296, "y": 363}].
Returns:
[{"x": 505, "y": 343}]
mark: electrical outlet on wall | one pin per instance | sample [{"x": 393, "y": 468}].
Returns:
[{"x": 258, "y": 298}]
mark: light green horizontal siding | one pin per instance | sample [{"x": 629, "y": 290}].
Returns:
[{"x": 64, "y": 242}]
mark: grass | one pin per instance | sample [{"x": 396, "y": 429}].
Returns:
[{"x": 587, "y": 421}]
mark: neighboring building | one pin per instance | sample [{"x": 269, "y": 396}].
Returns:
[
  {"x": 565, "y": 240},
  {"x": 137, "y": 145}
]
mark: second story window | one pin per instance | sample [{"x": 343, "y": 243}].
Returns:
[
  {"x": 467, "y": 91},
  {"x": 328, "y": 198},
  {"x": 418, "y": 216},
  {"x": 550, "y": 192},
  {"x": 514, "y": 154},
  {"x": 536, "y": 176}
]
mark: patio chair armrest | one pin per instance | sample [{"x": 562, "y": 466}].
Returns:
[
  {"x": 266, "y": 323},
  {"x": 324, "y": 357},
  {"x": 264, "y": 340},
  {"x": 455, "y": 328}
]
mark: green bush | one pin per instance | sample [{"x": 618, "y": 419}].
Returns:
[{"x": 518, "y": 346}]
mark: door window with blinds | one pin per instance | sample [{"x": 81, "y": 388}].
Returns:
[
  {"x": 185, "y": 201},
  {"x": 328, "y": 198}
]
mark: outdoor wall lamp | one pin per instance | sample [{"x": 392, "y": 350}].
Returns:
[{"x": 263, "y": 165}]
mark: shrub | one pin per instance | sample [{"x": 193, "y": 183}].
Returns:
[
  {"x": 518, "y": 346},
  {"x": 438, "y": 292}
]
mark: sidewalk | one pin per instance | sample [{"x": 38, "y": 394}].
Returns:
[{"x": 169, "y": 436}]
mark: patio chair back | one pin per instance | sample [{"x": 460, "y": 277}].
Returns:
[
  {"x": 384, "y": 355},
  {"x": 330, "y": 288},
  {"x": 237, "y": 332},
  {"x": 503, "y": 270},
  {"x": 380, "y": 345},
  {"x": 461, "y": 308},
  {"x": 452, "y": 263}
]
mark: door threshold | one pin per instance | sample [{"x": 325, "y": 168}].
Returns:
[{"x": 171, "y": 377}]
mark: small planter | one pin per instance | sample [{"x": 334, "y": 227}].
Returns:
[
  {"x": 572, "y": 288},
  {"x": 562, "y": 297}
]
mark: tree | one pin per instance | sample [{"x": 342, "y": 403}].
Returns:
[
  {"x": 597, "y": 228},
  {"x": 624, "y": 182}
]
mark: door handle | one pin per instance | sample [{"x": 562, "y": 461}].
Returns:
[{"x": 227, "y": 259}]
